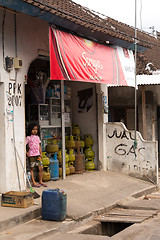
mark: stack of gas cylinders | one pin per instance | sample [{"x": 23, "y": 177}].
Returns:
[
  {"x": 79, "y": 155},
  {"x": 75, "y": 147}
]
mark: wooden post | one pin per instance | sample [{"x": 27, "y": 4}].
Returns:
[
  {"x": 144, "y": 112},
  {"x": 153, "y": 129}
]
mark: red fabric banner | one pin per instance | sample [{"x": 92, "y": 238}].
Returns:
[{"x": 77, "y": 59}]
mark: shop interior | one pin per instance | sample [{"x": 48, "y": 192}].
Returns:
[{"x": 43, "y": 107}]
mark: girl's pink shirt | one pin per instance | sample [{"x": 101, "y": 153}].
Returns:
[{"x": 33, "y": 142}]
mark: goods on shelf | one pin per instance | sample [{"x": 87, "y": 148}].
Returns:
[
  {"x": 54, "y": 101},
  {"x": 39, "y": 113},
  {"x": 67, "y": 92},
  {"x": 53, "y": 91}
]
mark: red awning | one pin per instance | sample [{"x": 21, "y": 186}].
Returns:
[{"x": 78, "y": 59}]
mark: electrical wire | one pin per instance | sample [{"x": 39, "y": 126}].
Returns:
[
  {"x": 14, "y": 140},
  {"x": 14, "y": 143},
  {"x": 135, "y": 72}
]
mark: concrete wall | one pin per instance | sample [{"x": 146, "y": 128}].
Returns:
[
  {"x": 121, "y": 156},
  {"x": 102, "y": 103},
  {"x": 32, "y": 35},
  {"x": 87, "y": 121}
]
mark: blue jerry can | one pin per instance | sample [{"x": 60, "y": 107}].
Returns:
[
  {"x": 54, "y": 167},
  {"x": 54, "y": 203}
]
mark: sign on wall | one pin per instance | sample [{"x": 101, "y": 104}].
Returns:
[
  {"x": 15, "y": 94},
  {"x": 78, "y": 59}
]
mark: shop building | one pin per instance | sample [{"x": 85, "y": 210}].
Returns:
[
  {"x": 122, "y": 109},
  {"x": 25, "y": 61}
]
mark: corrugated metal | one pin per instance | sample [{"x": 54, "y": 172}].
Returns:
[
  {"x": 145, "y": 80},
  {"x": 148, "y": 79}
]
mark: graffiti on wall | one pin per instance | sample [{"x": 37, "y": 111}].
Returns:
[
  {"x": 127, "y": 148},
  {"x": 121, "y": 149}
]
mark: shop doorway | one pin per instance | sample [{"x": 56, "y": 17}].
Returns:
[
  {"x": 35, "y": 89},
  {"x": 42, "y": 105},
  {"x": 84, "y": 112}
]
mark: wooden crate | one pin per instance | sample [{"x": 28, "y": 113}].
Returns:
[{"x": 17, "y": 199}]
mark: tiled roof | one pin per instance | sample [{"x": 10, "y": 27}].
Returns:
[
  {"x": 83, "y": 17},
  {"x": 150, "y": 55}
]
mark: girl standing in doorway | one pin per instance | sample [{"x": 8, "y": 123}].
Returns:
[{"x": 34, "y": 153}]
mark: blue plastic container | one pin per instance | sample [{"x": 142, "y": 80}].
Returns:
[
  {"x": 54, "y": 203},
  {"x": 54, "y": 167}
]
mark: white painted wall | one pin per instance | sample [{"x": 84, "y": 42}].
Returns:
[
  {"x": 32, "y": 35},
  {"x": 120, "y": 154},
  {"x": 102, "y": 103},
  {"x": 86, "y": 121}
]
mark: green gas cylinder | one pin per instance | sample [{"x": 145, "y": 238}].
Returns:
[
  {"x": 90, "y": 165},
  {"x": 88, "y": 140},
  {"x": 71, "y": 155},
  {"x": 70, "y": 143},
  {"x": 89, "y": 153},
  {"x": 67, "y": 160},
  {"x": 67, "y": 170},
  {"x": 71, "y": 168},
  {"x": 45, "y": 159},
  {"x": 46, "y": 174},
  {"x": 52, "y": 147},
  {"x": 71, "y": 161},
  {"x": 59, "y": 156},
  {"x": 75, "y": 130}
]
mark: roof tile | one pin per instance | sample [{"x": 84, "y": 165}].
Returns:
[{"x": 82, "y": 16}]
